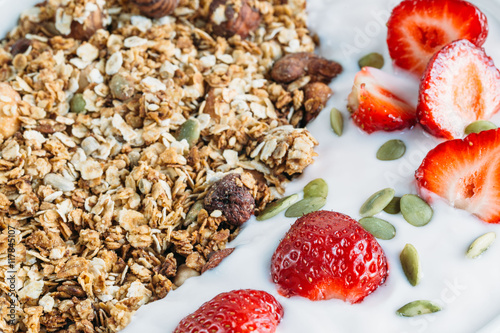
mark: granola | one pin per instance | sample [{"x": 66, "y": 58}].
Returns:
[{"x": 114, "y": 128}]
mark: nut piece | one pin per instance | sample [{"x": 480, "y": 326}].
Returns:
[
  {"x": 233, "y": 17},
  {"x": 20, "y": 46},
  {"x": 156, "y": 8},
  {"x": 85, "y": 30},
  {"x": 215, "y": 258},
  {"x": 293, "y": 66},
  {"x": 316, "y": 95},
  {"x": 9, "y": 113},
  {"x": 234, "y": 199},
  {"x": 184, "y": 273}
]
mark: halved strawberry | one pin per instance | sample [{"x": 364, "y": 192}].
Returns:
[
  {"x": 466, "y": 173},
  {"x": 461, "y": 85},
  {"x": 419, "y": 28},
  {"x": 378, "y": 101}
]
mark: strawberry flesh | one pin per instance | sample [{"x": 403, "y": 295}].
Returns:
[
  {"x": 242, "y": 311},
  {"x": 461, "y": 85},
  {"x": 378, "y": 102},
  {"x": 328, "y": 255},
  {"x": 417, "y": 29},
  {"x": 466, "y": 173}
]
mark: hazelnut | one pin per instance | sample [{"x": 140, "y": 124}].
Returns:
[
  {"x": 9, "y": 113},
  {"x": 296, "y": 65},
  {"x": 234, "y": 199},
  {"x": 156, "y": 8},
  {"x": 233, "y": 17},
  {"x": 215, "y": 258},
  {"x": 85, "y": 30}
]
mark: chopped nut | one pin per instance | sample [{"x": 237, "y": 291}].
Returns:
[
  {"x": 9, "y": 113},
  {"x": 156, "y": 8},
  {"x": 215, "y": 258},
  {"x": 316, "y": 96},
  {"x": 184, "y": 273},
  {"x": 231, "y": 18}
]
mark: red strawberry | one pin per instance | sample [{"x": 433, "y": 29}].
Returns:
[
  {"x": 419, "y": 28},
  {"x": 241, "y": 311},
  {"x": 328, "y": 255},
  {"x": 377, "y": 101},
  {"x": 461, "y": 85},
  {"x": 466, "y": 173}
]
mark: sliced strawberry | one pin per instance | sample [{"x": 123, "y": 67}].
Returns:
[
  {"x": 328, "y": 255},
  {"x": 461, "y": 85},
  {"x": 417, "y": 29},
  {"x": 243, "y": 311},
  {"x": 378, "y": 101},
  {"x": 466, "y": 173}
]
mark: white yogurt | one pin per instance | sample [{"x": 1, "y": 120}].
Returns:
[{"x": 468, "y": 290}]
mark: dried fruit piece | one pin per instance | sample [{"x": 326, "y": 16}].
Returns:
[
  {"x": 276, "y": 207},
  {"x": 215, "y": 258},
  {"x": 379, "y": 228},
  {"x": 479, "y": 126},
  {"x": 316, "y": 188},
  {"x": 296, "y": 65},
  {"x": 377, "y": 202},
  {"x": 391, "y": 150},
  {"x": 305, "y": 206},
  {"x": 231, "y": 18},
  {"x": 156, "y": 8},
  {"x": 336, "y": 121},
  {"x": 410, "y": 261},
  {"x": 480, "y": 244},
  {"x": 20, "y": 46},
  {"x": 373, "y": 59},
  {"x": 417, "y": 308},
  {"x": 393, "y": 207},
  {"x": 415, "y": 210},
  {"x": 230, "y": 196}
]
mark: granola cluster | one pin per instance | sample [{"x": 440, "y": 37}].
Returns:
[{"x": 100, "y": 174}]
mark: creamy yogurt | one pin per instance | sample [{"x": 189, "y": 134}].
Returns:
[{"x": 467, "y": 289}]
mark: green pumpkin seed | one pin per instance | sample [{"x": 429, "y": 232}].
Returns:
[
  {"x": 336, "y": 121},
  {"x": 121, "y": 87},
  {"x": 192, "y": 215},
  {"x": 316, "y": 188},
  {"x": 305, "y": 206},
  {"x": 190, "y": 131},
  {"x": 77, "y": 104},
  {"x": 373, "y": 59},
  {"x": 479, "y": 126},
  {"x": 391, "y": 150},
  {"x": 379, "y": 228},
  {"x": 410, "y": 261},
  {"x": 276, "y": 207},
  {"x": 417, "y": 308},
  {"x": 393, "y": 206},
  {"x": 415, "y": 210},
  {"x": 480, "y": 244},
  {"x": 378, "y": 201}
]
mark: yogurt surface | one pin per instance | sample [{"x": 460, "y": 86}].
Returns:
[{"x": 467, "y": 290}]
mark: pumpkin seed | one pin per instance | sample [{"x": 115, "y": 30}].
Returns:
[
  {"x": 480, "y": 244},
  {"x": 192, "y": 215},
  {"x": 305, "y": 206},
  {"x": 479, "y": 126},
  {"x": 378, "y": 228},
  {"x": 121, "y": 87},
  {"x": 316, "y": 188},
  {"x": 276, "y": 207},
  {"x": 391, "y": 150},
  {"x": 377, "y": 202},
  {"x": 336, "y": 121},
  {"x": 417, "y": 308},
  {"x": 415, "y": 210},
  {"x": 410, "y": 261},
  {"x": 393, "y": 206},
  {"x": 190, "y": 131},
  {"x": 373, "y": 59},
  {"x": 77, "y": 104}
]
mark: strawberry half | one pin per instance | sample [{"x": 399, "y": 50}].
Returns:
[
  {"x": 417, "y": 29},
  {"x": 461, "y": 85},
  {"x": 328, "y": 255},
  {"x": 242, "y": 311},
  {"x": 466, "y": 173},
  {"x": 378, "y": 102}
]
